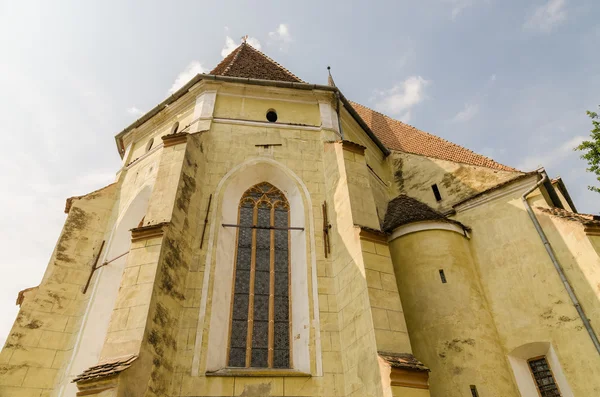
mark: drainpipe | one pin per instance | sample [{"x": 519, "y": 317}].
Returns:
[{"x": 557, "y": 266}]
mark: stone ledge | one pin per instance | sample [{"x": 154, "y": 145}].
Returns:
[
  {"x": 150, "y": 231},
  {"x": 353, "y": 147},
  {"x": 258, "y": 372},
  {"x": 174, "y": 139},
  {"x": 370, "y": 234}
]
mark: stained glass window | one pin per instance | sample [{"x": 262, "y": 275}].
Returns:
[
  {"x": 544, "y": 380},
  {"x": 260, "y": 317}
]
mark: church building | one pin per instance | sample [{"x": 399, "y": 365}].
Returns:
[{"x": 266, "y": 236}]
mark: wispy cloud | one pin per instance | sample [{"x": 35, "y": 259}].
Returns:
[
  {"x": 458, "y": 6},
  {"x": 551, "y": 157},
  {"x": 186, "y": 75},
  {"x": 547, "y": 16},
  {"x": 281, "y": 36},
  {"x": 134, "y": 111},
  {"x": 402, "y": 97},
  {"x": 469, "y": 111},
  {"x": 231, "y": 45}
]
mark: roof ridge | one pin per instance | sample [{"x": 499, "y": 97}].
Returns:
[
  {"x": 275, "y": 62},
  {"x": 224, "y": 67},
  {"x": 430, "y": 135}
]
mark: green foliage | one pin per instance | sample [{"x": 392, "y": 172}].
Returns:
[{"x": 592, "y": 149}]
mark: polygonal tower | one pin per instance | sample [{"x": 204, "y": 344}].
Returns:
[{"x": 267, "y": 237}]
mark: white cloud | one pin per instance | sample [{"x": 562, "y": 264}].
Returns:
[
  {"x": 493, "y": 77},
  {"x": 552, "y": 157},
  {"x": 458, "y": 6},
  {"x": 188, "y": 73},
  {"x": 470, "y": 111},
  {"x": 546, "y": 17},
  {"x": 231, "y": 45},
  {"x": 281, "y": 36},
  {"x": 134, "y": 111},
  {"x": 401, "y": 98}
]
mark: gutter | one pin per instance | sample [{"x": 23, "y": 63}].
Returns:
[
  {"x": 268, "y": 83},
  {"x": 557, "y": 266}
]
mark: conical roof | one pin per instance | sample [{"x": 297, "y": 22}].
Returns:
[
  {"x": 404, "y": 210},
  {"x": 246, "y": 61}
]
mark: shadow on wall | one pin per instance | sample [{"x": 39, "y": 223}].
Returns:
[{"x": 105, "y": 288}]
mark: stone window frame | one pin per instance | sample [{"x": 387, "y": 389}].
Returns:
[
  {"x": 265, "y": 197},
  {"x": 210, "y": 350}
]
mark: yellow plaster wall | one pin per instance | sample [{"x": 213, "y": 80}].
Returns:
[
  {"x": 524, "y": 292},
  {"x": 41, "y": 340},
  {"x": 415, "y": 174},
  {"x": 451, "y": 329},
  {"x": 303, "y": 111}
]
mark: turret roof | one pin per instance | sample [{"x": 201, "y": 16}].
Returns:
[
  {"x": 404, "y": 210},
  {"x": 247, "y": 61}
]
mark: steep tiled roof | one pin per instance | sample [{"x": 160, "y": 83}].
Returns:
[
  {"x": 107, "y": 368},
  {"x": 403, "y": 360},
  {"x": 404, "y": 210},
  {"x": 246, "y": 61},
  {"x": 397, "y": 135}
]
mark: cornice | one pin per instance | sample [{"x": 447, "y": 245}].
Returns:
[
  {"x": 409, "y": 378},
  {"x": 370, "y": 234},
  {"x": 147, "y": 232},
  {"x": 427, "y": 225},
  {"x": 174, "y": 139},
  {"x": 517, "y": 186},
  {"x": 353, "y": 147}
]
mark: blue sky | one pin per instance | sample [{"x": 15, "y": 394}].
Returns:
[{"x": 508, "y": 79}]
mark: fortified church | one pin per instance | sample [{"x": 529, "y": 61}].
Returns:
[{"x": 269, "y": 237}]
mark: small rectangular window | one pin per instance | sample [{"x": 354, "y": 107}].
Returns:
[
  {"x": 443, "y": 276},
  {"x": 474, "y": 391},
  {"x": 543, "y": 377},
  {"x": 436, "y": 192}
]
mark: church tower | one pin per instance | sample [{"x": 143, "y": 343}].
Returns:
[{"x": 267, "y": 237}]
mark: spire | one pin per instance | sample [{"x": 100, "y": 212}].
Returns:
[
  {"x": 248, "y": 62},
  {"x": 330, "y": 81}
]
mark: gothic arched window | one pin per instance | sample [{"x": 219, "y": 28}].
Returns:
[{"x": 260, "y": 320}]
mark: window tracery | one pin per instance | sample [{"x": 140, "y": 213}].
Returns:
[{"x": 260, "y": 316}]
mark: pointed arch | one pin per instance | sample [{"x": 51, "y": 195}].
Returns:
[
  {"x": 259, "y": 332},
  {"x": 218, "y": 278}
]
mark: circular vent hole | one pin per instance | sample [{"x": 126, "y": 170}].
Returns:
[{"x": 272, "y": 115}]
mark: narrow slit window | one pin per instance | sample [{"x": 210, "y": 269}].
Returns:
[
  {"x": 543, "y": 377},
  {"x": 175, "y": 127},
  {"x": 443, "y": 277},
  {"x": 474, "y": 391},
  {"x": 260, "y": 322},
  {"x": 436, "y": 192}
]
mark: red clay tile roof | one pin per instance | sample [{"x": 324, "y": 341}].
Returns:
[
  {"x": 246, "y": 61},
  {"x": 399, "y": 136},
  {"x": 107, "y": 368}
]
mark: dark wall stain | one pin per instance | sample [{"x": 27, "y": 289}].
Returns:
[
  {"x": 77, "y": 220},
  {"x": 398, "y": 173}
]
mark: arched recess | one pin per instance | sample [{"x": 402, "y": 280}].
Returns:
[
  {"x": 518, "y": 359},
  {"x": 104, "y": 290},
  {"x": 231, "y": 192}
]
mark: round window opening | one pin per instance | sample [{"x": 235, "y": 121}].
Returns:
[{"x": 272, "y": 115}]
